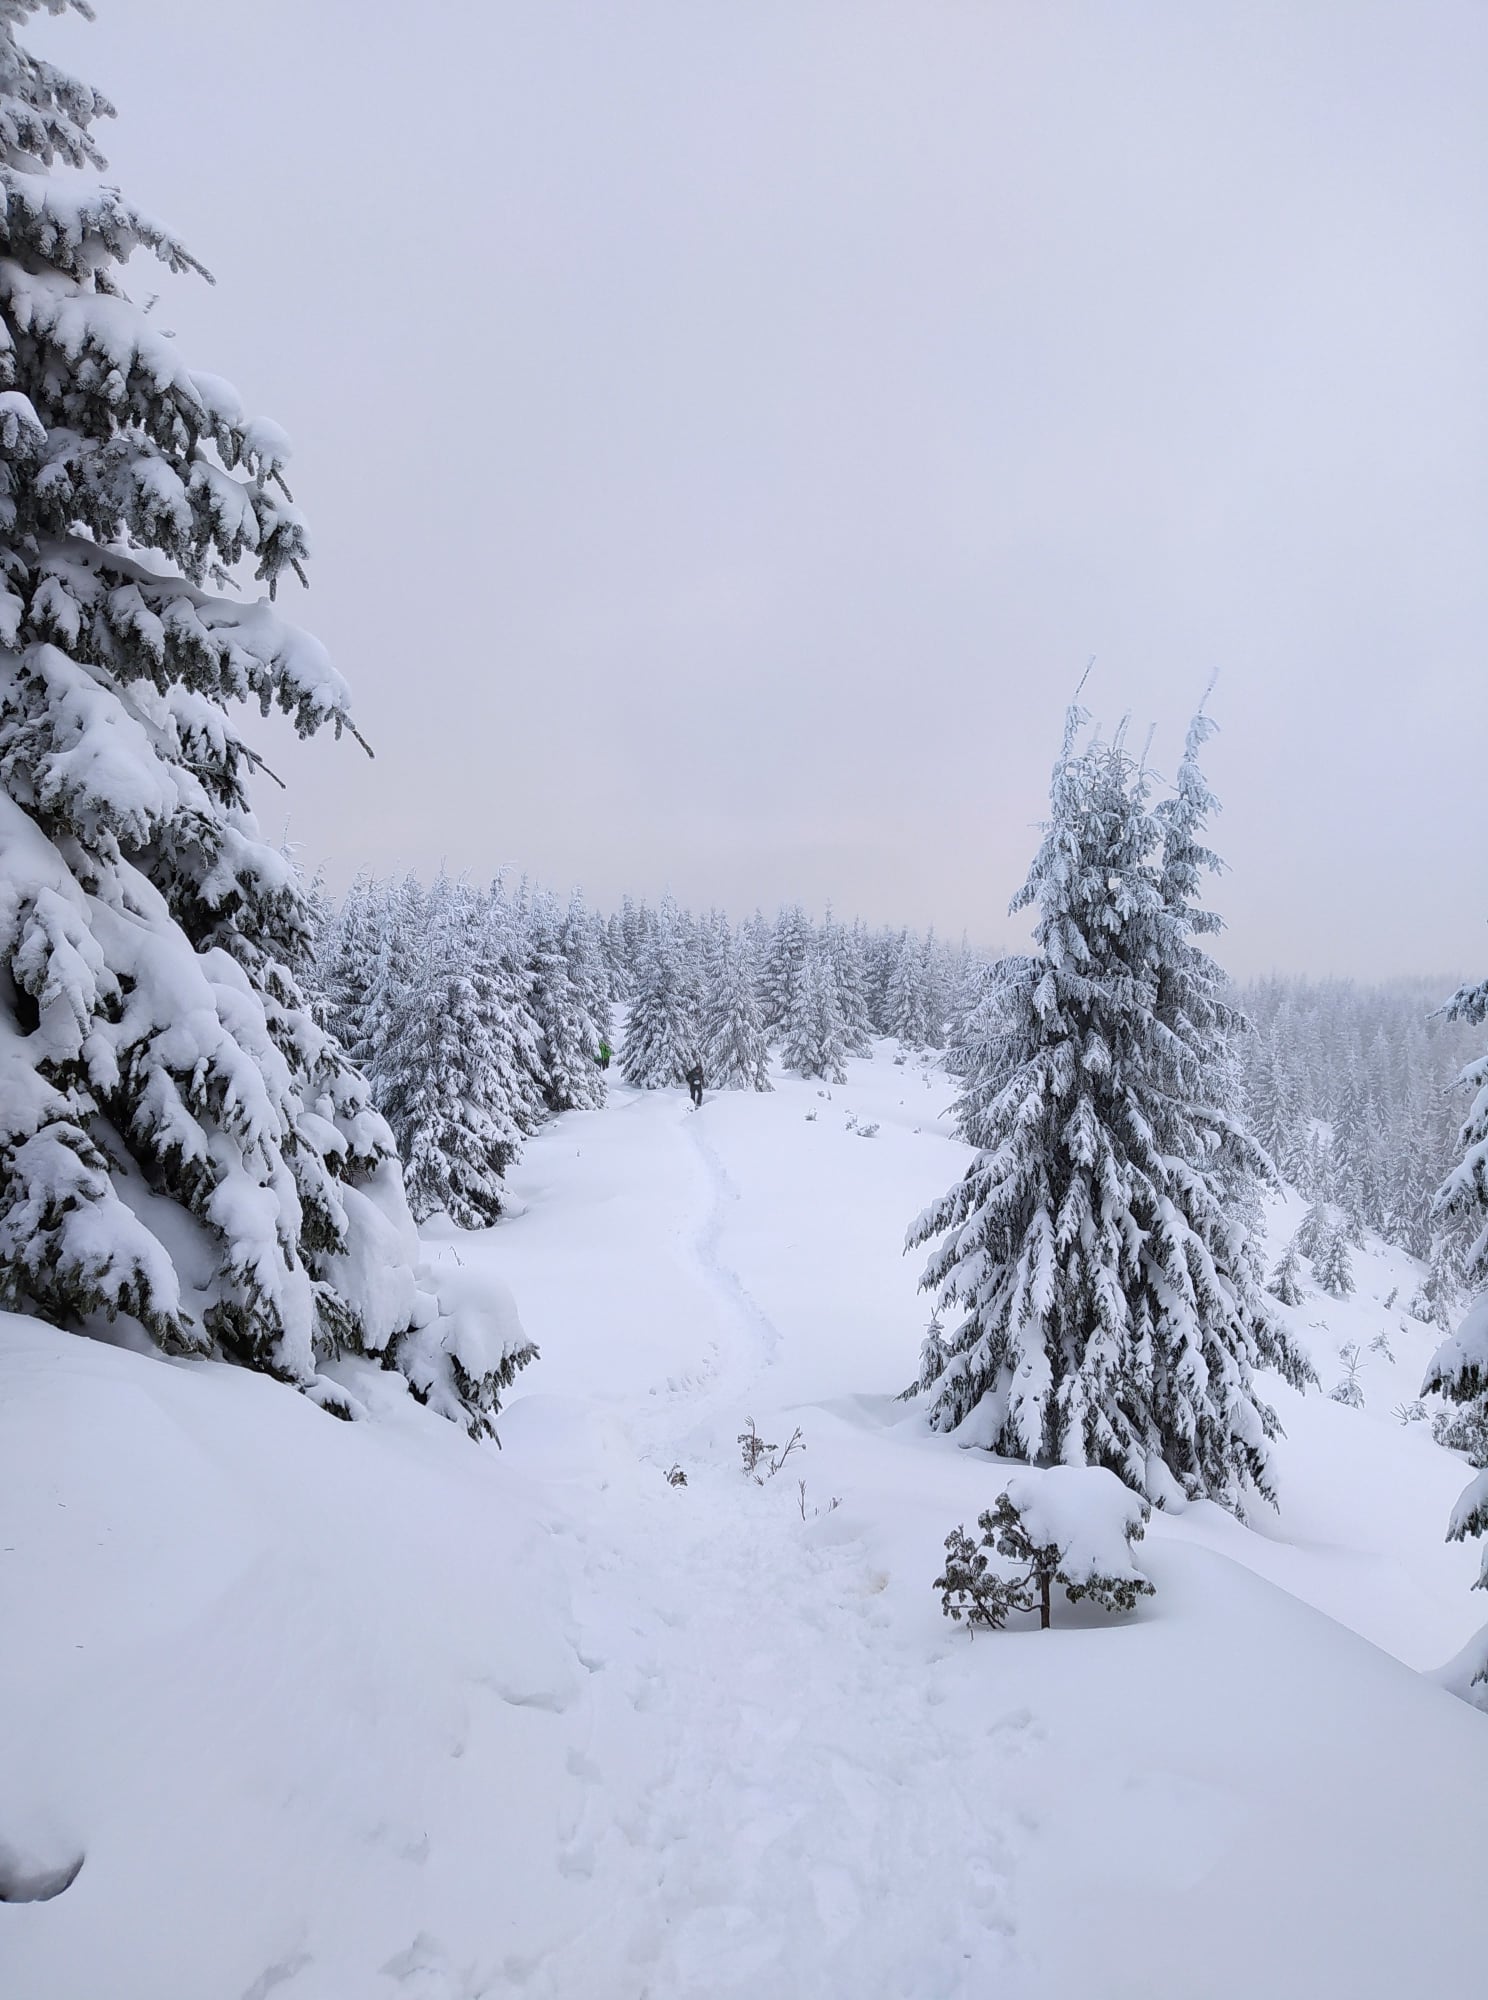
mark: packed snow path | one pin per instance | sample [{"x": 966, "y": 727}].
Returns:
[
  {"x": 780, "y": 1775},
  {"x": 331, "y": 1710}
]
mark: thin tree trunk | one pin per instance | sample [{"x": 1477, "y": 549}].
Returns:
[{"x": 1044, "y": 1602}]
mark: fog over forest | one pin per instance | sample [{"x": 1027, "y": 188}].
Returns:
[{"x": 726, "y": 433}]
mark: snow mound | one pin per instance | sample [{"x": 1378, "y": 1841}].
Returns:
[
  {"x": 295, "y": 1693},
  {"x": 1087, "y": 1514}
]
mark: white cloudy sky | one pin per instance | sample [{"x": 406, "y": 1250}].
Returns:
[{"x": 728, "y": 429}]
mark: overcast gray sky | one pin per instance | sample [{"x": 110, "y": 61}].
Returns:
[{"x": 727, "y": 429}]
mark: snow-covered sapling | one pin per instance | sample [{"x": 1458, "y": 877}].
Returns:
[
  {"x": 1348, "y": 1390},
  {"x": 1071, "y": 1525},
  {"x": 756, "y": 1452},
  {"x": 932, "y": 1359},
  {"x": 753, "y": 1448},
  {"x": 1286, "y": 1279}
]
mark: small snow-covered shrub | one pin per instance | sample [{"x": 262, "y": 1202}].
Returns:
[
  {"x": 1071, "y": 1525},
  {"x": 756, "y": 1453},
  {"x": 1349, "y": 1391}
]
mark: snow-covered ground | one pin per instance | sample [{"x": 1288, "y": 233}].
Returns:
[{"x": 367, "y": 1712}]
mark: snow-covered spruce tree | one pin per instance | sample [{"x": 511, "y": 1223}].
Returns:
[
  {"x": 345, "y": 955},
  {"x": 1438, "y": 1299},
  {"x": 1333, "y": 1267},
  {"x": 1274, "y": 1116},
  {"x": 164, "y": 1092},
  {"x": 908, "y": 995},
  {"x": 1317, "y": 1225},
  {"x": 400, "y": 916},
  {"x": 563, "y": 1004},
  {"x": 812, "y": 1044},
  {"x": 1408, "y": 1192},
  {"x": 584, "y": 939},
  {"x": 1459, "y": 1368},
  {"x": 1200, "y": 1048},
  {"x": 661, "y": 1035},
  {"x": 782, "y": 969},
  {"x": 440, "y": 1080},
  {"x": 1109, "y": 1307},
  {"x": 845, "y": 949},
  {"x": 735, "y": 1054},
  {"x": 933, "y": 1359},
  {"x": 1356, "y": 1154},
  {"x": 320, "y": 922},
  {"x": 502, "y": 943},
  {"x": 1286, "y": 1279},
  {"x": 935, "y": 991}
]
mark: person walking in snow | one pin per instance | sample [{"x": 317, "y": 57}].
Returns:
[{"x": 694, "y": 1081}]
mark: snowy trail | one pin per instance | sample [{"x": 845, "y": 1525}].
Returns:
[
  {"x": 794, "y": 1775},
  {"x": 772, "y": 1772}
]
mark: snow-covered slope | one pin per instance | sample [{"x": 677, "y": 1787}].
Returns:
[{"x": 333, "y": 1711}]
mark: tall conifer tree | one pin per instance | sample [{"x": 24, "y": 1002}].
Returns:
[
  {"x": 662, "y": 1034},
  {"x": 1109, "y": 1309},
  {"x": 157, "y": 1054},
  {"x": 735, "y": 1053}
]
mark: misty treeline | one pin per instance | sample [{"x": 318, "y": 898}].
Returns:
[
  {"x": 1355, "y": 1093},
  {"x": 477, "y": 1013}
]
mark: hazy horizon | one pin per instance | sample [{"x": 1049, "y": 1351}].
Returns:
[{"x": 726, "y": 434}]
